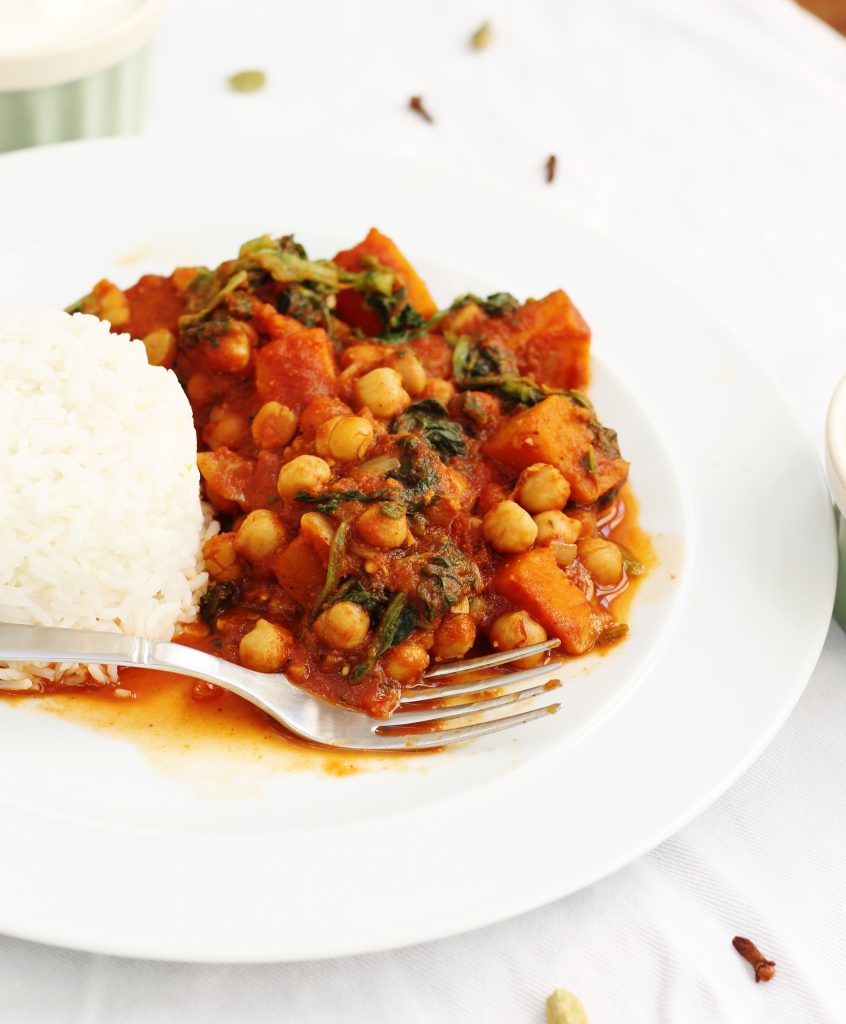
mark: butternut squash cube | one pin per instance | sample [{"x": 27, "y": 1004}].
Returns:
[
  {"x": 567, "y": 436},
  {"x": 532, "y": 581}
]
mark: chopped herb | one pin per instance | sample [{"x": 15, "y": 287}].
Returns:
[
  {"x": 247, "y": 81},
  {"x": 79, "y": 305},
  {"x": 416, "y": 104},
  {"x": 430, "y": 418},
  {"x": 482, "y": 37},
  {"x": 551, "y": 167},
  {"x": 632, "y": 565},
  {"x": 333, "y": 569},
  {"x": 391, "y": 511},
  {"x": 398, "y": 621},
  {"x": 588, "y": 461},
  {"x": 217, "y": 599}
]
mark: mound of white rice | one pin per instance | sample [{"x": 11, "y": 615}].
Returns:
[{"x": 100, "y": 515}]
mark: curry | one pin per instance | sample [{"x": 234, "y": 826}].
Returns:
[{"x": 396, "y": 484}]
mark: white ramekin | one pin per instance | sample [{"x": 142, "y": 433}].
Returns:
[
  {"x": 82, "y": 89},
  {"x": 835, "y": 467}
]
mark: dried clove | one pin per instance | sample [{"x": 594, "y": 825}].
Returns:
[
  {"x": 551, "y": 167},
  {"x": 416, "y": 104},
  {"x": 764, "y": 969}
]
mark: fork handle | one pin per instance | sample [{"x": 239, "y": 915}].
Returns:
[{"x": 54, "y": 644}]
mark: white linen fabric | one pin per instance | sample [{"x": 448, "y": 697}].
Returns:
[{"x": 710, "y": 137}]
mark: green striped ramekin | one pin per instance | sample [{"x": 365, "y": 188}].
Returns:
[{"x": 91, "y": 87}]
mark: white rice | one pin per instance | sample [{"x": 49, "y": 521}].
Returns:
[{"x": 100, "y": 515}]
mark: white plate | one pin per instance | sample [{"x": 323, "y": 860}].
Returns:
[{"x": 105, "y": 852}]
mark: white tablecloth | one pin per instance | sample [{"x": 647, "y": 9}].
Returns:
[{"x": 710, "y": 135}]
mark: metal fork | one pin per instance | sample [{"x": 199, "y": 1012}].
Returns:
[{"x": 305, "y": 714}]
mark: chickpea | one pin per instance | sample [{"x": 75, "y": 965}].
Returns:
[
  {"x": 465, "y": 493},
  {"x": 411, "y": 370},
  {"x": 343, "y": 625},
  {"x": 509, "y": 528},
  {"x": 541, "y": 488},
  {"x": 317, "y": 529},
  {"x": 221, "y": 558},
  {"x": 586, "y": 515},
  {"x": 273, "y": 426},
  {"x": 382, "y": 392},
  {"x": 161, "y": 347},
  {"x": 304, "y": 473},
  {"x": 221, "y": 504},
  {"x": 478, "y": 609},
  {"x": 454, "y": 637},
  {"x": 321, "y": 435},
  {"x": 199, "y": 389},
  {"x": 266, "y": 647},
  {"x": 553, "y": 525},
  {"x": 406, "y": 662},
  {"x": 379, "y": 526},
  {"x": 233, "y": 350},
  {"x": 259, "y": 535},
  {"x": 114, "y": 305},
  {"x": 348, "y": 381},
  {"x": 350, "y": 438},
  {"x": 366, "y": 357},
  {"x": 602, "y": 559},
  {"x": 465, "y": 315},
  {"x": 442, "y": 390},
  {"x": 565, "y": 554},
  {"x": 518, "y": 629},
  {"x": 318, "y": 411},
  {"x": 224, "y": 428}
]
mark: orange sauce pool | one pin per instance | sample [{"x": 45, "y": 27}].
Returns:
[
  {"x": 625, "y": 530},
  {"x": 172, "y": 729}
]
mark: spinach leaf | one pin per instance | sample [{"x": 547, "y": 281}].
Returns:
[
  {"x": 217, "y": 599},
  {"x": 430, "y": 418},
  {"x": 211, "y": 301},
  {"x": 398, "y": 622},
  {"x": 488, "y": 366},
  {"x": 329, "y": 501},
  {"x": 497, "y": 305},
  {"x": 445, "y": 579},
  {"x": 401, "y": 320},
  {"x": 418, "y": 472},
  {"x": 474, "y": 359},
  {"x": 333, "y": 568},
  {"x": 354, "y": 590}
]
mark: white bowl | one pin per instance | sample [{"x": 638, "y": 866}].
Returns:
[
  {"x": 79, "y": 88},
  {"x": 835, "y": 467}
]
